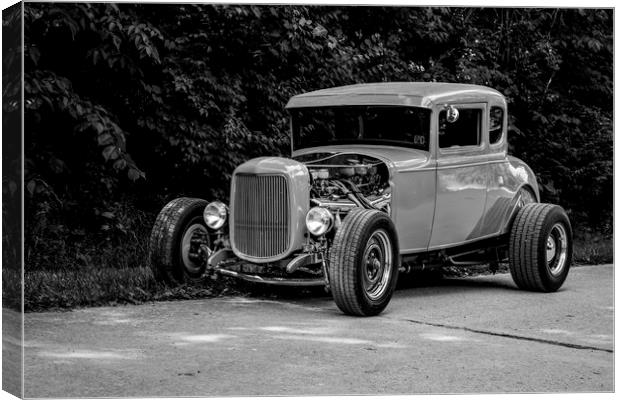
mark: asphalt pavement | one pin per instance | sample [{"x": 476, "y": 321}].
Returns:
[{"x": 466, "y": 335}]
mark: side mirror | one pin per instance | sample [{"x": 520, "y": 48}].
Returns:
[{"x": 452, "y": 114}]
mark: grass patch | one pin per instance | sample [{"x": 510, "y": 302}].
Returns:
[
  {"x": 45, "y": 290},
  {"x": 593, "y": 249}
]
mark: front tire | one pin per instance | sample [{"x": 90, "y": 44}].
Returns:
[
  {"x": 173, "y": 242},
  {"x": 364, "y": 262},
  {"x": 541, "y": 247}
]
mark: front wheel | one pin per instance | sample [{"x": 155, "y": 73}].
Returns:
[
  {"x": 363, "y": 263},
  {"x": 177, "y": 241},
  {"x": 541, "y": 247}
]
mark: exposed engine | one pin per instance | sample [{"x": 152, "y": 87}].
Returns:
[{"x": 346, "y": 180}]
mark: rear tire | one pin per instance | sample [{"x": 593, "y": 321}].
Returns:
[
  {"x": 170, "y": 241},
  {"x": 363, "y": 263},
  {"x": 541, "y": 247}
]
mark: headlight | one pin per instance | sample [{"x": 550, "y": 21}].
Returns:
[
  {"x": 319, "y": 221},
  {"x": 215, "y": 215}
]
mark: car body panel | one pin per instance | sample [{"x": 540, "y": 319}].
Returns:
[
  {"x": 459, "y": 201},
  {"x": 412, "y": 94},
  {"x": 489, "y": 194}
]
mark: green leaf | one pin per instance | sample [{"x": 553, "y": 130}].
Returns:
[
  {"x": 110, "y": 152},
  {"x": 134, "y": 174},
  {"x": 31, "y": 186},
  {"x": 105, "y": 139},
  {"x": 120, "y": 164}
]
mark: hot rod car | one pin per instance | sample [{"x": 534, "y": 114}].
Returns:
[{"x": 383, "y": 178}]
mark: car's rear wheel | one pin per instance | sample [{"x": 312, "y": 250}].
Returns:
[
  {"x": 541, "y": 247},
  {"x": 364, "y": 261},
  {"x": 176, "y": 239}
]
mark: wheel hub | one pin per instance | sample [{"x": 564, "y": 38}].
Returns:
[
  {"x": 550, "y": 248},
  {"x": 557, "y": 249},
  {"x": 191, "y": 250},
  {"x": 373, "y": 264},
  {"x": 377, "y": 264}
]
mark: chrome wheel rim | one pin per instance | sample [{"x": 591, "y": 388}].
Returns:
[
  {"x": 377, "y": 268},
  {"x": 556, "y": 249},
  {"x": 186, "y": 247}
]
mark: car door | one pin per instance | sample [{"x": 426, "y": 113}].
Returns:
[{"x": 461, "y": 178}]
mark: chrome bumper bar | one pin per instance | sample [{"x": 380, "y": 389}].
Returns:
[
  {"x": 295, "y": 264},
  {"x": 272, "y": 280}
]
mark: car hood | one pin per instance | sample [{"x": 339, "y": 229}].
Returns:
[{"x": 396, "y": 158}]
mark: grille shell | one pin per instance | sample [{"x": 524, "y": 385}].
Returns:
[{"x": 261, "y": 216}]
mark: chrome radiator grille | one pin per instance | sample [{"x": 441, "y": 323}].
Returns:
[{"x": 260, "y": 218}]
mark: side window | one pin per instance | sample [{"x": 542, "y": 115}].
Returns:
[
  {"x": 496, "y": 124},
  {"x": 465, "y": 131}
]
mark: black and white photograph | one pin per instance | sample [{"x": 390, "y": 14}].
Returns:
[{"x": 304, "y": 199}]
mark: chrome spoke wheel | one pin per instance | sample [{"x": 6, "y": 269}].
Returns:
[
  {"x": 556, "y": 249},
  {"x": 188, "y": 247},
  {"x": 377, "y": 268}
]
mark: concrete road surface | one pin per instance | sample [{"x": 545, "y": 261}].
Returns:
[{"x": 469, "y": 335}]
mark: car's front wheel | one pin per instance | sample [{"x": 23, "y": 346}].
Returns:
[
  {"x": 541, "y": 247},
  {"x": 176, "y": 239},
  {"x": 364, "y": 261}
]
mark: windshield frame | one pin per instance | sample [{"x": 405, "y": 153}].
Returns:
[{"x": 296, "y": 146}]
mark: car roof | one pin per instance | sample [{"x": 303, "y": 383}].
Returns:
[{"x": 415, "y": 94}]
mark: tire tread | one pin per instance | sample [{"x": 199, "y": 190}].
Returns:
[
  {"x": 527, "y": 239},
  {"x": 343, "y": 261},
  {"x": 163, "y": 238}
]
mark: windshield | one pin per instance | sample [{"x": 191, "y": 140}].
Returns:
[{"x": 394, "y": 126}]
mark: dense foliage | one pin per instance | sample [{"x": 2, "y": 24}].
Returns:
[{"x": 130, "y": 105}]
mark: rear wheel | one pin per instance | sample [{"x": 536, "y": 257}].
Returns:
[
  {"x": 178, "y": 240},
  {"x": 364, "y": 261},
  {"x": 541, "y": 247}
]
